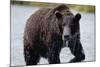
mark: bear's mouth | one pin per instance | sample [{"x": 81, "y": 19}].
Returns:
[{"x": 67, "y": 37}]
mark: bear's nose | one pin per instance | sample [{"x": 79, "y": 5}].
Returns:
[{"x": 66, "y": 37}]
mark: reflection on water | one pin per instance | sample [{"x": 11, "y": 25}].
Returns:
[{"x": 19, "y": 16}]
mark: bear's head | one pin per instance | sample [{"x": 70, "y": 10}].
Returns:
[{"x": 68, "y": 25}]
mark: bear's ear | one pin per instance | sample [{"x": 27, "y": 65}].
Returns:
[
  {"x": 77, "y": 17},
  {"x": 58, "y": 14}
]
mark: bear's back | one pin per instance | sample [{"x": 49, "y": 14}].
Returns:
[{"x": 34, "y": 23}]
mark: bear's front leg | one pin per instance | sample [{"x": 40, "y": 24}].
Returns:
[
  {"x": 53, "y": 58},
  {"x": 77, "y": 50},
  {"x": 54, "y": 54}
]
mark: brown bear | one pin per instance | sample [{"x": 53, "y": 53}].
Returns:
[{"x": 48, "y": 30}]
